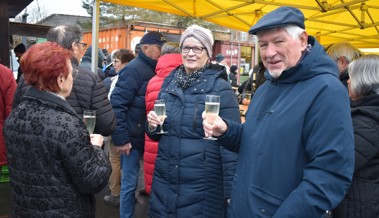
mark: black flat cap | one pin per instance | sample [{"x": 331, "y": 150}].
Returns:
[{"x": 279, "y": 17}]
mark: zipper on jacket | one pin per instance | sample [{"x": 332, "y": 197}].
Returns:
[{"x": 194, "y": 116}]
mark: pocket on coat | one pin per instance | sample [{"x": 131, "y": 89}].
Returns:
[{"x": 263, "y": 202}]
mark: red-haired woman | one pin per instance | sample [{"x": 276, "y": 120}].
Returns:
[{"x": 55, "y": 166}]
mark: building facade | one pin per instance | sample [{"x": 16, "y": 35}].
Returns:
[{"x": 237, "y": 47}]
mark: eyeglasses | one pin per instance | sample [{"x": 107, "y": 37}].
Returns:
[
  {"x": 159, "y": 47},
  {"x": 196, "y": 50},
  {"x": 75, "y": 73},
  {"x": 83, "y": 44}
]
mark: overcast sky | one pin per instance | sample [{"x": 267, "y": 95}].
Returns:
[{"x": 71, "y": 7}]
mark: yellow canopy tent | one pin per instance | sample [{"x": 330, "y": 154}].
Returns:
[{"x": 329, "y": 21}]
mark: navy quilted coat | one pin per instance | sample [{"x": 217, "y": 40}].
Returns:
[
  {"x": 54, "y": 169},
  {"x": 193, "y": 176},
  {"x": 165, "y": 65},
  {"x": 128, "y": 101}
]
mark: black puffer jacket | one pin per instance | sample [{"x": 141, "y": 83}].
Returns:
[
  {"x": 54, "y": 169},
  {"x": 88, "y": 93},
  {"x": 362, "y": 199}
]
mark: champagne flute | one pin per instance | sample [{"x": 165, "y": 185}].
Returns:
[
  {"x": 160, "y": 110},
  {"x": 212, "y": 108},
  {"x": 89, "y": 118}
]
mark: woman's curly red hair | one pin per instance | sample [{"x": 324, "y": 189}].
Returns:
[{"x": 43, "y": 63}]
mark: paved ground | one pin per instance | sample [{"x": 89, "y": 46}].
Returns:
[{"x": 103, "y": 210}]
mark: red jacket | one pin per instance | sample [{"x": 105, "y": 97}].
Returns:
[
  {"x": 7, "y": 90},
  {"x": 166, "y": 64}
]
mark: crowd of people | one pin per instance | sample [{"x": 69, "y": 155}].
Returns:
[{"x": 309, "y": 146}]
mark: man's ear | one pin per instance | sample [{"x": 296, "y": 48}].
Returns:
[
  {"x": 74, "y": 48},
  {"x": 303, "y": 40},
  {"x": 344, "y": 61}
]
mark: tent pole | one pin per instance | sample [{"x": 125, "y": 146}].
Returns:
[
  {"x": 95, "y": 35},
  {"x": 256, "y": 53}
]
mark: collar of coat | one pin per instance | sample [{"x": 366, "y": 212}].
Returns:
[
  {"x": 49, "y": 99},
  {"x": 149, "y": 61},
  {"x": 201, "y": 85}
]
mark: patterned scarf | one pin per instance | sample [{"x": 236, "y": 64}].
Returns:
[{"x": 185, "y": 80}]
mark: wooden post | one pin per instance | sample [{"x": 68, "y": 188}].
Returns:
[{"x": 4, "y": 33}]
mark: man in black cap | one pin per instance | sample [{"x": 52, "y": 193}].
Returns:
[
  {"x": 128, "y": 101},
  {"x": 19, "y": 50},
  {"x": 296, "y": 148}
]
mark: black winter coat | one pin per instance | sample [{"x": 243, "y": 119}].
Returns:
[
  {"x": 88, "y": 93},
  {"x": 362, "y": 199},
  {"x": 54, "y": 169}
]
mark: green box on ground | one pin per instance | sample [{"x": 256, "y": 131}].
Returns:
[{"x": 4, "y": 174}]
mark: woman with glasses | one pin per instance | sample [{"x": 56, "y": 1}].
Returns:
[
  {"x": 55, "y": 166},
  {"x": 192, "y": 175},
  {"x": 121, "y": 58},
  {"x": 170, "y": 59}
]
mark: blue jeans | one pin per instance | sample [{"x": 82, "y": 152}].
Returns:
[{"x": 129, "y": 181}]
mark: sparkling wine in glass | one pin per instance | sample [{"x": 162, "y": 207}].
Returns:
[
  {"x": 212, "y": 108},
  {"x": 160, "y": 110},
  {"x": 89, "y": 118}
]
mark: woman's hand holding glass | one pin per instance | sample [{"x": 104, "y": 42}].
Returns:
[
  {"x": 154, "y": 120},
  {"x": 97, "y": 139},
  {"x": 212, "y": 108},
  {"x": 160, "y": 111}
]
